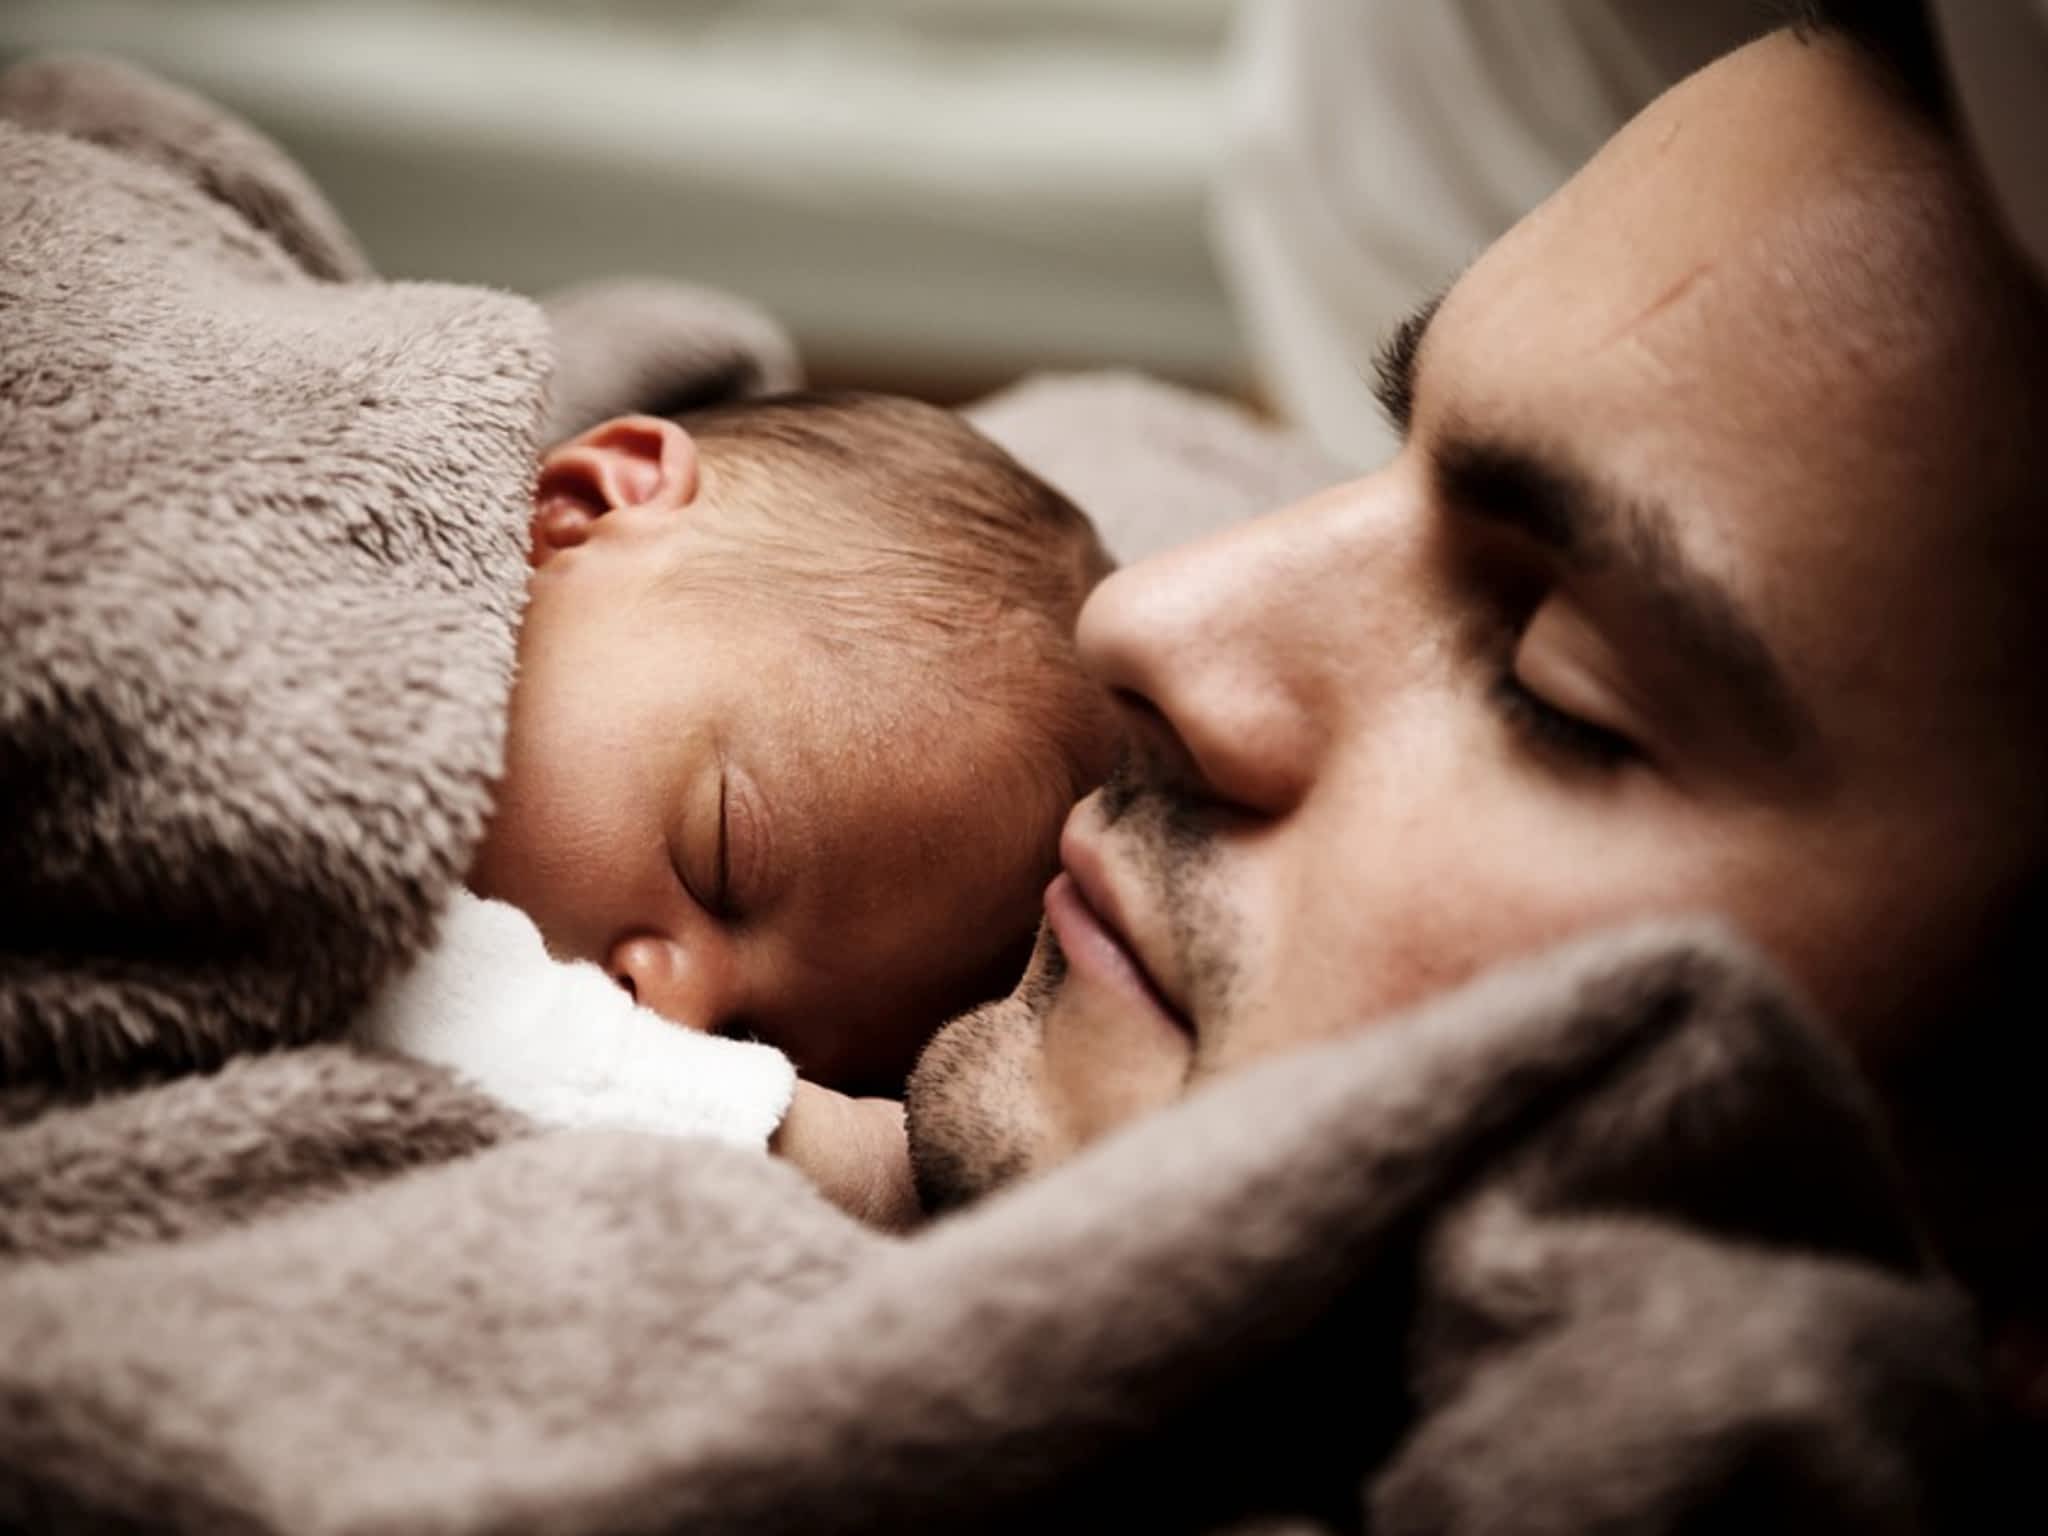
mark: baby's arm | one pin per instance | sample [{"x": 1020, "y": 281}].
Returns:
[{"x": 563, "y": 1044}]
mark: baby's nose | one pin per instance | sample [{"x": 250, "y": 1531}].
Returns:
[{"x": 657, "y": 973}]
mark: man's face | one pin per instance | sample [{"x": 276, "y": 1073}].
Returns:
[
  {"x": 718, "y": 807},
  {"x": 1681, "y": 596}
]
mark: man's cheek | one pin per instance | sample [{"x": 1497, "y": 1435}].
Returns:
[{"x": 1358, "y": 930}]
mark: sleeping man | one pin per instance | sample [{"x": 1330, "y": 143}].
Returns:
[{"x": 1709, "y": 577}]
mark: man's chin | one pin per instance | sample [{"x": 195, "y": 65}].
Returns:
[{"x": 975, "y": 1105}]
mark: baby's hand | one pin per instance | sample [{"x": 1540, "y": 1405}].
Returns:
[{"x": 854, "y": 1150}]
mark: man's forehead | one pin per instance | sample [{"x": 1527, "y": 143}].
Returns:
[
  {"x": 1777, "y": 121},
  {"x": 1780, "y": 255},
  {"x": 1784, "y": 173}
]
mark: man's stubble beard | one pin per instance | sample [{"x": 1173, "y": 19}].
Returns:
[{"x": 974, "y": 1110}]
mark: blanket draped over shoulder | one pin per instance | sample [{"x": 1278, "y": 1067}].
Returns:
[{"x": 1606, "y": 1242}]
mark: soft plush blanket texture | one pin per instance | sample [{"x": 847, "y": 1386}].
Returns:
[{"x": 1609, "y": 1241}]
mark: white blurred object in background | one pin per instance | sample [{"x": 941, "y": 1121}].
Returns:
[{"x": 1375, "y": 146}]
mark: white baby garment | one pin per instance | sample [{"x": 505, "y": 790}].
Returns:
[{"x": 563, "y": 1044}]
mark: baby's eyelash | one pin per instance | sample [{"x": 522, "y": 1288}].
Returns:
[
  {"x": 1548, "y": 726},
  {"x": 722, "y": 897}
]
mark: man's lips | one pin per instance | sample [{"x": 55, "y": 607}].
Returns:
[{"x": 1081, "y": 907}]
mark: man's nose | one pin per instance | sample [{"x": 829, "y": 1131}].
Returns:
[
  {"x": 664, "y": 975},
  {"x": 1220, "y": 639}
]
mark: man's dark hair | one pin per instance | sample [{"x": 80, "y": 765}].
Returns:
[{"x": 1896, "y": 35}]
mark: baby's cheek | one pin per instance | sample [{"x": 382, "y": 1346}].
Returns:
[{"x": 544, "y": 851}]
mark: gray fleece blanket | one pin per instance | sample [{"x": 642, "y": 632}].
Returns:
[{"x": 1607, "y": 1242}]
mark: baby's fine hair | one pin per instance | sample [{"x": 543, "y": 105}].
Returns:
[{"x": 892, "y": 526}]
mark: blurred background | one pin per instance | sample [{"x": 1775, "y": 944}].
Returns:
[
  {"x": 939, "y": 195},
  {"x": 933, "y": 194}
]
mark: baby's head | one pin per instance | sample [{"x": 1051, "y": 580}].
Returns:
[{"x": 797, "y": 720}]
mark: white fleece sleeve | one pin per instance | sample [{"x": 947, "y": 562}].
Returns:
[{"x": 563, "y": 1044}]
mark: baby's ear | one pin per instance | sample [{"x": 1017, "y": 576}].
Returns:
[{"x": 629, "y": 461}]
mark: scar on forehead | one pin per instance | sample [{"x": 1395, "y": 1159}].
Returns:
[{"x": 1684, "y": 284}]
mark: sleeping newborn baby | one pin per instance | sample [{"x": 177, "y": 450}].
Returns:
[{"x": 795, "y": 727}]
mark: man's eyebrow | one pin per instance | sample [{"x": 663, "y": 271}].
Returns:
[
  {"x": 1393, "y": 364},
  {"x": 1588, "y": 526}
]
